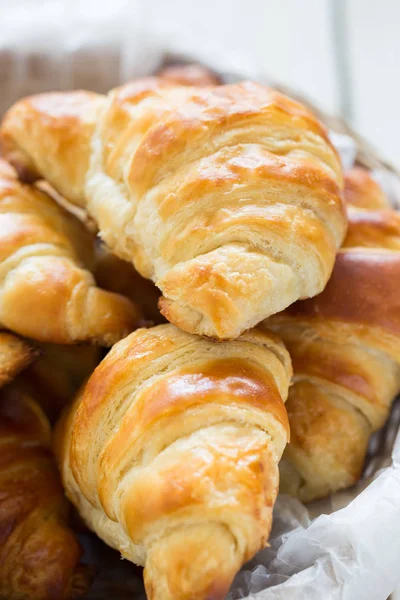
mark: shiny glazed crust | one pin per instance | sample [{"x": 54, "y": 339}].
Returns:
[
  {"x": 343, "y": 386},
  {"x": 345, "y": 348},
  {"x": 119, "y": 276},
  {"x": 58, "y": 373},
  {"x": 15, "y": 356},
  {"x": 362, "y": 191},
  {"x": 191, "y": 74},
  {"x": 227, "y": 197},
  {"x": 171, "y": 452},
  {"x": 45, "y": 293},
  {"x": 39, "y": 554}
]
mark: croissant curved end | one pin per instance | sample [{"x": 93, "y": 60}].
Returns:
[{"x": 195, "y": 562}]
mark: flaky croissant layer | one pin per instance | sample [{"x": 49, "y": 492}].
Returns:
[
  {"x": 227, "y": 197},
  {"x": 45, "y": 292},
  {"x": 170, "y": 454},
  {"x": 15, "y": 355},
  {"x": 39, "y": 553},
  {"x": 345, "y": 348}
]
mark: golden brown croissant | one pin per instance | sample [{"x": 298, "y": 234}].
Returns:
[
  {"x": 15, "y": 355},
  {"x": 45, "y": 293},
  {"x": 372, "y": 223},
  {"x": 362, "y": 191},
  {"x": 190, "y": 74},
  {"x": 227, "y": 197},
  {"x": 117, "y": 275},
  {"x": 55, "y": 377},
  {"x": 171, "y": 454},
  {"x": 39, "y": 554},
  {"x": 345, "y": 348}
]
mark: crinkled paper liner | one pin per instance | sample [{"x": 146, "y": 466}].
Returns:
[{"x": 345, "y": 547}]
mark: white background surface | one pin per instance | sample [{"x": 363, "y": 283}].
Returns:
[{"x": 293, "y": 41}]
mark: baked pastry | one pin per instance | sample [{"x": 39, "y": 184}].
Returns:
[
  {"x": 345, "y": 348},
  {"x": 362, "y": 191},
  {"x": 372, "y": 223},
  {"x": 227, "y": 197},
  {"x": 119, "y": 276},
  {"x": 15, "y": 355},
  {"x": 39, "y": 554},
  {"x": 86, "y": 223},
  {"x": 55, "y": 377},
  {"x": 171, "y": 453},
  {"x": 189, "y": 74},
  {"x": 45, "y": 293}
]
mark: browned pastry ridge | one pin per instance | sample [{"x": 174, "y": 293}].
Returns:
[
  {"x": 39, "y": 554},
  {"x": 190, "y": 74},
  {"x": 362, "y": 191},
  {"x": 15, "y": 355},
  {"x": 119, "y": 276},
  {"x": 227, "y": 197},
  {"x": 45, "y": 292},
  {"x": 345, "y": 348},
  {"x": 55, "y": 377},
  {"x": 171, "y": 454}
]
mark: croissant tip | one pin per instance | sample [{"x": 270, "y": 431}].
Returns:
[
  {"x": 19, "y": 169},
  {"x": 81, "y": 580}
]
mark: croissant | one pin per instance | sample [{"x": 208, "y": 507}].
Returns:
[
  {"x": 55, "y": 377},
  {"x": 170, "y": 454},
  {"x": 362, "y": 191},
  {"x": 189, "y": 74},
  {"x": 117, "y": 275},
  {"x": 15, "y": 356},
  {"x": 227, "y": 197},
  {"x": 345, "y": 348},
  {"x": 39, "y": 554},
  {"x": 45, "y": 293}
]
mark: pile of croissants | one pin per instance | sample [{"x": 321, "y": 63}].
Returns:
[{"x": 274, "y": 317}]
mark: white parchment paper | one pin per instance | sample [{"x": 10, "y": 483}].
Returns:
[{"x": 345, "y": 547}]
